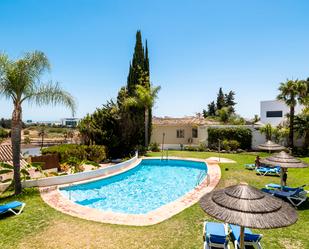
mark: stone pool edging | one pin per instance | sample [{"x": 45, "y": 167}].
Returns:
[{"x": 53, "y": 197}]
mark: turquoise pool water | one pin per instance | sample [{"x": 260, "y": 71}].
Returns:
[{"x": 150, "y": 185}]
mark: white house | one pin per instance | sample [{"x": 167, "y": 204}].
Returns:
[{"x": 274, "y": 111}]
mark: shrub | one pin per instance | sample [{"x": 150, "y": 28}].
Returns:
[
  {"x": 3, "y": 133},
  {"x": 154, "y": 147},
  {"x": 202, "y": 147},
  {"x": 225, "y": 145},
  {"x": 191, "y": 148},
  {"x": 141, "y": 150},
  {"x": 26, "y": 132},
  {"x": 234, "y": 144},
  {"x": 240, "y": 134},
  {"x": 94, "y": 153}
]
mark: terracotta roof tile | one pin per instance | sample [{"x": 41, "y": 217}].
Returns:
[{"x": 182, "y": 121}]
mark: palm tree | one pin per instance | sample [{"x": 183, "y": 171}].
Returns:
[
  {"x": 292, "y": 92},
  {"x": 20, "y": 82},
  {"x": 268, "y": 130},
  {"x": 145, "y": 98},
  {"x": 42, "y": 134}
]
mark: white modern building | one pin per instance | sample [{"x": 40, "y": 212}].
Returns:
[
  {"x": 70, "y": 122},
  {"x": 274, "y": 112}
]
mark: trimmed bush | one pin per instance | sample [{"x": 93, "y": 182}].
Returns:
[
  {"x": 154, "y": 147},
  {"x": 94, "y": 153},
  {"x": 240, "y": 134}
]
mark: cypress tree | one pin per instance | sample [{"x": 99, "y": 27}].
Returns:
[
  {"x": 139, "y": 75},
  {"x": 146, "y": 63}
]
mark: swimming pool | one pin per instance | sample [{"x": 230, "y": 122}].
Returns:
[{"x": 150, "y": 185}]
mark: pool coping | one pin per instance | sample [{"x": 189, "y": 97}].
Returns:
[{"x": 53, "y": 197}]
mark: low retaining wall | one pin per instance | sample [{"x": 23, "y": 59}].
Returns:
[{"x": 82, "y": 176}]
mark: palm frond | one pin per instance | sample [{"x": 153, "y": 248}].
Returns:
[
  {"x": 6, "y": 165},
  {"x": 5, "y": 171},
  {"x": 51, "y": 93}
]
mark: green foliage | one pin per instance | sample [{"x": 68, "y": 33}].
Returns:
[
  {"x": 211, "y": 110},
  {"x": 225, "y": 145},
  {"x": 229, "y": 100},
  {"x": 190, "y": 148},
  {"x": 26, "y": 132},
  {"x": 234, "y": 145},
  {"x": 242, "y": 135},
  {"x": 268, "y": 131},
  {"x": 27, "y": 140},
  {"x": 224, "y": 114},
  {"x": 155, "y": 147},
  {"x": 94, "y": 153},
  {"x": 302, "y": 127},
  {"x": 202, "y": 147},
  {"x": 3, "y": 133},
  {"x": 291, "y": 93},
  {"x": 224, "y": 107}
]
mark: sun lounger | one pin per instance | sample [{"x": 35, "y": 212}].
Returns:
[
  {"x": 11, "y": 207},
  {"x": 250, "y": 166},
  {"x": 284, "y": 188},
  {"x": 295, "y": 197},
  {"x": 215, "y": 235},
  {"x": 268, "y": 171},
  {"x": 251, "y": 239}
]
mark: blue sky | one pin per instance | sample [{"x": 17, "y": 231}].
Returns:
[{"x": 195, "y": 47}]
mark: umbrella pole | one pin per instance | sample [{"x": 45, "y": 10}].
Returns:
[
  {"x": 242, "y": 237},
  {"x": 281, "y": 177}
]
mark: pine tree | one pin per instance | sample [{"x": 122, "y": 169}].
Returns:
[
  {"x": 230, "y": 101},
  {"x": 212, "y": 109},
  {"x": 220, "y": 99}
]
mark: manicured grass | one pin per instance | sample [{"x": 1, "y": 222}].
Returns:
[{"x": 40, "y": 226}]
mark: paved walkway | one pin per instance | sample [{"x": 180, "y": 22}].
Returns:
[{"x": 54, "y": 198}]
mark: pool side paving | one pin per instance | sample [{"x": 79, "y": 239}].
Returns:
[{"x": 54, "y": 198}]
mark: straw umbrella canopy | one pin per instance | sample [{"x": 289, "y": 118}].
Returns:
[
  {"x": 247, "y": 206},
  {"x": 270, "y": 146},
  {"x": 284, "y": 160}
]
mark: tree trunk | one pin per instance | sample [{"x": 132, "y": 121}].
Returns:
[
  {"x": 291, "y": 133},
  {"x": 146, "y": 126},
  {"x": 16, "y": 140},
  {"x": 42, "y": 142}
]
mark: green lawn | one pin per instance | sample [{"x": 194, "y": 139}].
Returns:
[{"x": 40, "y": 226}]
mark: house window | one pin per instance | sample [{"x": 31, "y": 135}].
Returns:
[
  {"x": 180, "y": 133},
  {"x": 274, "y": 114},
  {"x": 194, "y": 133}
]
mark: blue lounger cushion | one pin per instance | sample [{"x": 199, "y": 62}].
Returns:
[
  {"x": 285, "y": 188},
  {"x": 280, "y": 193},
  {"x": 10, "y": 205},
  {"x": 215, "y": 233},
  {"x": 249, "y": 235}
]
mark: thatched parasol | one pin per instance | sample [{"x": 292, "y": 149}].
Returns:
[
  {"x": 284, "y": 160},
  {"x": 247, "y": 206},
  {"x": 270, "y": 146}
]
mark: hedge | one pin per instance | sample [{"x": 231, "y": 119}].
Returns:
[
  {"x": 240, "y": 134},
  {"x": 95, "y": 153}
]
